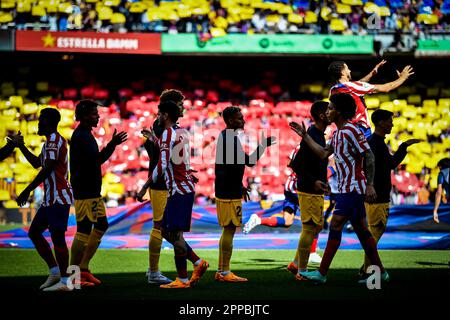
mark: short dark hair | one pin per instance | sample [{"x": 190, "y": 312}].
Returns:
[
  {"x": 171, "y": 109},
  {"x": 444, "y": 163},
  {"x": 171, "y": 95},
  {"x": 52, "y": 116},
  {"x": 335, "y": 69},
  {"x": 318, "y": 108},
  {"x": 345, "y": 105},
  {"x": 229, "y": 112},
  {"x": 381, "y": 115},
  {"x": 84, "y": 107}
]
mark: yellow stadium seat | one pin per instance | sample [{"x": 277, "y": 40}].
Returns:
[
  {"x": 66, "y": 132},
  {"x": 20, "y": 187},
  {"x": 415, "y": 99},
  {"x": 105, "y": 13},
  {"x": 387, "y": 105},
  {"x": 111, "y": 178},
  {"x": 385, "y": 12},
  {"x": 169, "y": 4},
  {"x": 338, "y": 25},
  {"x": 16, "y": 101},
  {"x": 295, "y": 18},
  {"x": 185, "y": 13},
  {"x": 372, "y": 102},
  {"x": 111, "y": 3},
  {"x": 42, "y": 86},
  {"x": 23, "y": 6},
  {"x": 286, "y": 9},
  {"x": 29, "y": 108},
  {"x": 217, "y": 32},
  {"x": 352, "y": 2},
  {"x": 427, "y": 18},
  {"x": 23, "y": 92},
  {"x": 272, "y": 19},
  {"x": 310, "y": 17},
  {"x": 65, "y": 7},
  {"x": 91, "y": 1},
  {"x": 10, "y": 204},
  {"x": 33, "y": 140},
  {"x": 13, "y": 125},
  {"x": 399, "y": 104},
  {"x": 8, "y": 4},
  {"x": 325, "y": 13},
  {"x": 444, "y": 102},
  {"x": 118, "y": 18},
  {"x": 409, "y": 112},
  {"x": 371, "y": 7},
  {"x": 220, "y": 22},
  {"x": 200, "y": 11},
  {"x": 38, "y": 11},
  {"x": 6, "y": 17},
  {"x": 138, "y": 7},
  {"x": 432, "y": 92},
  {"x": 115, "y": 190},
  {"x": 32, "y": 127},
  {"x": 5, "y": 171},
  {"x": 4, "y": 195},
  {"x": 315, "y": 88},
  {"x": 343, "y": 8},
  {"x": 429, "y": 104}
]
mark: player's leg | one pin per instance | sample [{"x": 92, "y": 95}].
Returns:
[
  {"x": 229, "y": 213},
  {"x": 38, "y": 226},
  {"x": 158, "y": 200},
  {"x": 329, "y": 211},
  {"x": 180, "y": 252},
  {"x": 58, "y": 217},
  {"x": 84, "y": 228},
  {"x": 377, "y": 216}
]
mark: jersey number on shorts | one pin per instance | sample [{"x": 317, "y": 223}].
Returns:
[
  {"x": 239, "y": 211},
  {"x": 94, "y": 207}
]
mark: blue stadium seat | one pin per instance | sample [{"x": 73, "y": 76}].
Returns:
[
  {"x": 301, "y": 4},
  {"x": 396, "y": 4},
  {"x": 446, "y": 7},
  {"x": 425, "y": 9},
  {"x": 381, "y": 3}
]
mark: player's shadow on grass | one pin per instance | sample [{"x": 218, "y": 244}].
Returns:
[
  {"x": 342, "y": 284},
  {"x": 427, "y": 263}
]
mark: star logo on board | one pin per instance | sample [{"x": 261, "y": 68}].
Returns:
[{"x": 48, "y": 40}]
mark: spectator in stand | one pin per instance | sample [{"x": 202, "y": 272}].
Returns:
[{"x": 443, "y": 185}]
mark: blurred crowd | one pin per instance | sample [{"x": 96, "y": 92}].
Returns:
[{"x": 220, "y": 17}]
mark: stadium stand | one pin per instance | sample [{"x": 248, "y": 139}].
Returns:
[
  {"x": 219, "y": 17},
  {"x": 424, "y": 115}
]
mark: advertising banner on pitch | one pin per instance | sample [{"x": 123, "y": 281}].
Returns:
[
  {"x": 432, "y": 47},
  {"x": 92, "y": 42},
  {"x": 271, "y": 44}
]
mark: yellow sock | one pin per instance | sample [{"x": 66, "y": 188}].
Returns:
[
  {"x": 304, "y": 245},
  {"x": 78, "y": 247},
  {"x": 226, "y": 247},
  {"x": 154, "y": 246},
  {"x": 94, "y": 241},
  {"x": 376, "y": 231}
]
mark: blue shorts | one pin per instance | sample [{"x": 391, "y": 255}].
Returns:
[
  {"x": 54, "y": 217},
  {"x": 366, "y": 131},
  {"x": 290, "y": 203},
  {"x": 350, "y": 205},
  {"x": 178, "y": 212}
]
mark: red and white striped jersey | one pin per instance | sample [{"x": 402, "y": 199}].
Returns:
[
  {"x": 349, "y": 145},
  {"x": 291, "y": 183},
  {"x": 174, "y": 162},
  {"x": 357, "y": 90},
  {"x": 57, "y": 189}
]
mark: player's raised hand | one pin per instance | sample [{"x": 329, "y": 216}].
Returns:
[
  {"x": 410, "y": 142},
  {"x": 375, "y": 70},
  {"x": 267, "y": 142},
  {"x": 119, "y": 138},
  {"x": 16, "y": 139},
  {"x": 299, "y": 129},
  {"x": 406, "y": 72}
]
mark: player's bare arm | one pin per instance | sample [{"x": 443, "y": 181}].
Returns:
[
  {"x": 31, "y": 158},
  {"x": 369, "y": 170},
  {"x": 402, "y": 77},
  {"x": 437, "y": 202},
  {"x": 373, "y": 72},
  {"x": 320, "y": 151},
  {"x": 46, "y": 171}
]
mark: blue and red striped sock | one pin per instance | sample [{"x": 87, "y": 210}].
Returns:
[{"x": 273, "y": 222}]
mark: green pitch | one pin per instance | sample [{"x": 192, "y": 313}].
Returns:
[{"x": 414, "y": 274}]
